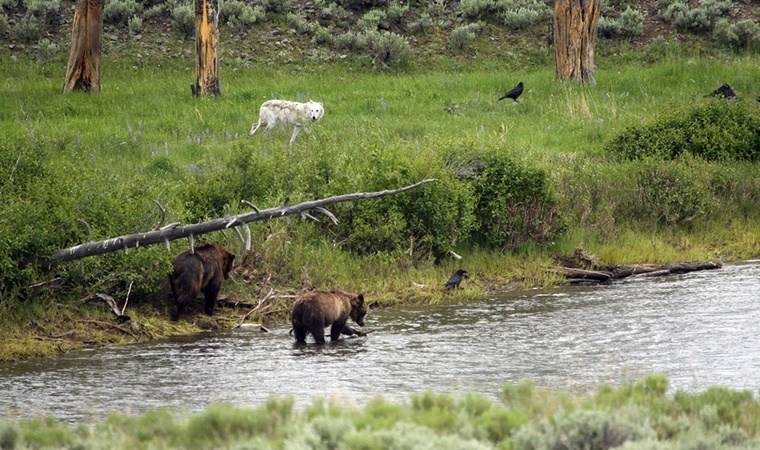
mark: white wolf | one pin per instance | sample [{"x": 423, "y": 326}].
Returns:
[{"x": 297, "y": 114}]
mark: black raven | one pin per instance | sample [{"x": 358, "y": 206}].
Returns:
[
  {"x": 724, "y": 91},
  {"x": 456, "y": 278},
  {"x": 514, "y": 93}
]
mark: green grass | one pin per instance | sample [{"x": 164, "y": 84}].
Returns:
[
  {"x": 72, "y": 157},
  {"x": 635, "y": 416}
]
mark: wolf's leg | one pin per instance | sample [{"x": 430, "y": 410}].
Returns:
[
  {"x": 296, "y": 130},
  {"x": 254, "y": 128}
]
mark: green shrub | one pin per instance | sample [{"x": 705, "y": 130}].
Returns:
[
  {"x": 388, "y": 50},
  {"x": 475, "y": 9},
  {"x": 5, "y": 28},
  {"x": 462, "y": 36},
  {"x": 669, "y": 193},
  {"x": 424, "y": 22},
  {"x": 629, "y": 24},
  {"x": 135, "y": 24},
  {"x": 372, "y": 19},
  {"x": 48, "y": 12},
  {"x": 323, "y": 36},
  {"x": 46, "y": 50},
  {"x": 583, "y": 430},
  {"x": 518, "y": 14},
  {"x": 698, "y": 19},
  {"x": 28, "y": 29},
  {"x": 742, "y": 35},
  {"x": 183, "y": 20},
  {"x": 715, "y": 130},
  {"x": 237, "y": 14},
  {"x": 513, "y": 203},
  {"x": 351, "y": 41},
  {"x": 333, "y": 13},
  {"x": 395, "y": 11},
  {"x": 299, "y": 23},
  {"x": 118, "y": 12}
]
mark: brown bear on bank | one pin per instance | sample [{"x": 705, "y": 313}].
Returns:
[
  {"x": 316, "y": 310},
  {"x": 202, "y": 271}
]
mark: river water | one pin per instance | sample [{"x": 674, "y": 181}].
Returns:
[{"x": 699, "y": 329}]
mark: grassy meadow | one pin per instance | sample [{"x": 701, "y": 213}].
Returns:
[
  {"x": 635, "y": 416},
  {"x": 70, "y": 159}
]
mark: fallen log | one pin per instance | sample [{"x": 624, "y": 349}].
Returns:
[
  {"x": 582, "y": 274},
  {"x": 174, "y": 231}
]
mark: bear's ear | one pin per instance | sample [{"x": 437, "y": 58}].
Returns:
[{"x": 360, "y": 298}]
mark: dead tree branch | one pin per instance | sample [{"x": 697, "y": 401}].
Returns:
[{"x": 167, "y": 233}]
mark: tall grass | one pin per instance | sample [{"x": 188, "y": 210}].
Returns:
[{"x": 634, "y": 416}]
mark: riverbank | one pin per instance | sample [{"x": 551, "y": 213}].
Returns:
[
  {"x": 81, "y": 167},
  {"x": 635, "y": 416}
]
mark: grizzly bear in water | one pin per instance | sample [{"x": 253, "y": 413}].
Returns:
[
  {"x": 316, "y": 310},
  {"x": 201, "y": 271}
]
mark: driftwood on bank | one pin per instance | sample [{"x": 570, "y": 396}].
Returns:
[
  {"x": 581, "y": 268},
  {"x": 174, "y": 231}
]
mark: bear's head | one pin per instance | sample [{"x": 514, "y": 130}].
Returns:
[
  {"x": 358, "y": 309},
  {"x": 227, "y": 260}
]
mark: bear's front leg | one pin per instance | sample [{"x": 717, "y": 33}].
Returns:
[
  {"x": 209, "y": 294},
  {"x": 335, "y": 330}
]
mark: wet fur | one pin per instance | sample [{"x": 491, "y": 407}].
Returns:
[
  {"x": 202, "y": 271},
  {"x": 316, "y": 310}
]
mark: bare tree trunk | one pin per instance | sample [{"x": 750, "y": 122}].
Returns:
[
  {"x": 206, "y": 48},
  {"x": 575, "y": 23},
  {"x": 83, "y": 70}
]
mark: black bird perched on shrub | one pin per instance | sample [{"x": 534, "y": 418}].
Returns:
[
  {"x": 514, "y": 93},
  {"x": 456, "y": 278},
  {"x": 724, "y": 91}
]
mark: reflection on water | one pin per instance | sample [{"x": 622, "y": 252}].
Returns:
[{"x": 700, "y": 329}]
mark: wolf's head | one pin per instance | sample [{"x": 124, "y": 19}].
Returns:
[{"x": 315, "y": 111}]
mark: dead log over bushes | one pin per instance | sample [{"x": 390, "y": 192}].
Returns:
[{"x": 175, "y": 231}]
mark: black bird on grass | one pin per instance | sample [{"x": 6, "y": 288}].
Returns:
[
  {"x": 456, "y": 278},
  {"x": 724, "y": 91},
  {"x": 514, "y": 93}
]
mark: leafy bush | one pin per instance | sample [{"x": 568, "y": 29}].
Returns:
[
  {"x": 422, "y": 23},
  {"x": 670, "y": 193},
  {"x": 475, "y": 9},
  {"x": 46, "y": 50},
  {"x": 461, "y": 37},
  {"x": 699, "y": 19},
  {"x": 396, "y": 11},
  {"x": 48, "y": 12},
  {"x": 742, "y": 35},
  {"x": 372, "y": 19},
  {"x": 28, "y": 29},
  {"x": 715, "y": 130},
  {"x": 135, "y": 24},
  {"x": 361, "y": 5},
  {"x": 240, "y": 15},
  {"x": 629, "y": 24},
  {"x": 584, "y": 430},
  {"x": 5, "y": 28},
  {"x": 183, "y": 20},
  {"x": 519, "y": 14},
  {"x": 513, "y": 203},
  {"x": 118, "y": 12},
  {"x": 388, "y": 50},
  {"x": 323, "y": 36},
  {"x": 513, "y": 13},
  {"x": 351, "y": 41},
  {"x": 298, "y": 23}
]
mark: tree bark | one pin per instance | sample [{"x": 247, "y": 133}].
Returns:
[
  {"x": 206, "y": 48},
  {"x": 575, "y": 24},
  {"x": 173, "y": 231},
  {"x": 83, "y": 69}
]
